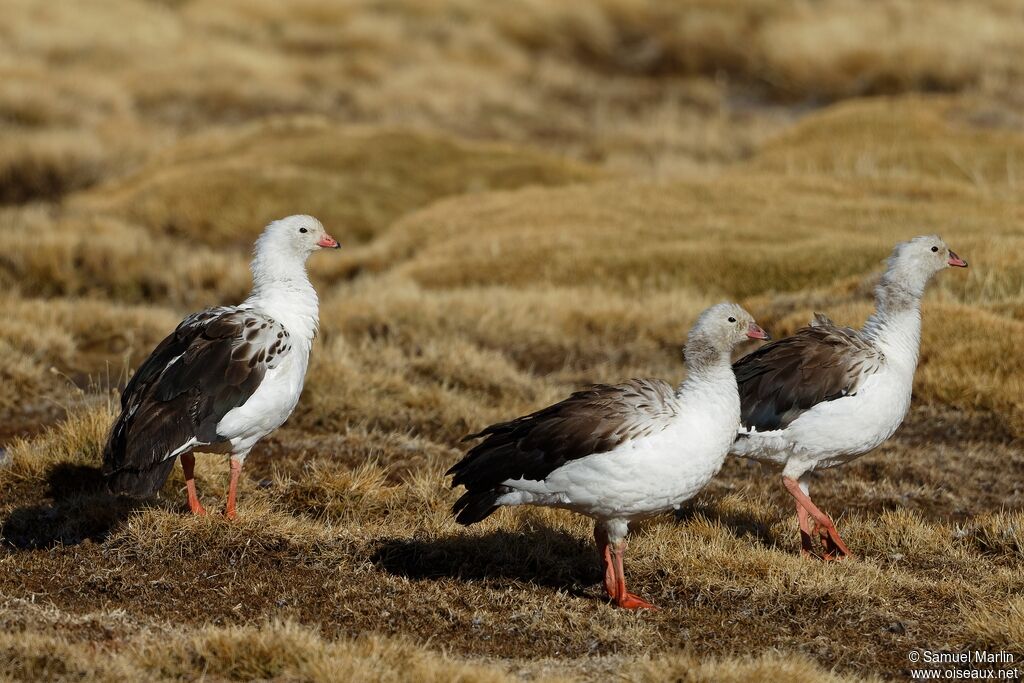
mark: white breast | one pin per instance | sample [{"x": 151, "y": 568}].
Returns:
[
  {"x": 643, "y": 476},
  {"x": 835, "y": 432},
  {"x": 269, "y": 406}
]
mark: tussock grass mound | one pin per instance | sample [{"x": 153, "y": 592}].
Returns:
[
  {"x": 220, "y": 188},
  {"x": 51, "y": 347},
  {"x": 912, "y": 140},
  {"x": 47, "y": 166},
  {"x": 632, "y": 84},
  {"x": 74, "y": 254},
  {"x": 58, "y": 649}
]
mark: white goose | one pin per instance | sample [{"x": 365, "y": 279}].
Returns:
[
  {"x": 616, "y": 453},
  {"x": 829, "y": 394},
  {"x": 226, "y": 377}
]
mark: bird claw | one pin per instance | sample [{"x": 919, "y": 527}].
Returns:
[
  {"x": 831, "y": 550},
  {"x": 833, "y": 553},
  {"x": 634, "y": 602}
]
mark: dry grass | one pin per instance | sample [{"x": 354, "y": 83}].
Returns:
[
  {"x": 56, "y": 651},
  {"x": 285, "y": 650},
  {"x": 357, "y": 181},
  {"x": 533, "y": 196},
  {"x": 635, "y": 84}
]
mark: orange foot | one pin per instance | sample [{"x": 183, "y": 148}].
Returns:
[
  {"x": 832, "y": 551},
  {"x": 806, "y": 546},
  {"x": 631, "y": 601}
]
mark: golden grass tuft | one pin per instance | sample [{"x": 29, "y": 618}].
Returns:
[
  {"x": 55, "y": 345},
  {"x": 285, "y": 650},
  {"x": 279, "y": 650},
  {"x": 48, "y": 165},
  {"x": 925, "y": 139},
  {"x": 75, "y": 255},
  {"x": 76, "y": 440},
  {"x": 998, "y": 626}
]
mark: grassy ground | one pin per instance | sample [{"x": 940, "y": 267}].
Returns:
[{"x": 532, "y": 197}]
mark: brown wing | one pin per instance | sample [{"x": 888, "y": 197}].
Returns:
[
  {"x": 595, "y": 420},
  {"x": 782, "y": 380},
  {"x": 213, "y": 362}
]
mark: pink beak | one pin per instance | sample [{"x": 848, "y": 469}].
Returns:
[
  {"x": 328, "y": 242},
  {"x": 956, "y": 261},
  {"x": 755, "y": 332}
]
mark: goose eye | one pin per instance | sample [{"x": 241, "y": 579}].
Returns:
[
  {"x": 935, "y": 248},
  {"x": 732, "y": 319},
  {"x": 304, "y": 230}
]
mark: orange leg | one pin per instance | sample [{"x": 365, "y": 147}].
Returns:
[
  {"x": 830, "y": 550},
  {"x": 610, "y": 584},
  {"x": 188, "y": 464},
  {"x": 806, "y": 547},
  {"x": 835, "y": 548},
  {"x": 625, "y": 599},
  {"x": 614, "y": 576},
  {"x": 236, "y": 469}
]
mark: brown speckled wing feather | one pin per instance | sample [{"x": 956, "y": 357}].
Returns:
[
  {"x": 595, "y": 420},
  {"x": 213, "y": 362},
  {"x": 782, "y": 380}
]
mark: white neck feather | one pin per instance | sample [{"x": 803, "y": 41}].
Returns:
[
  {"x": 895, "y": 328},
  {"x": 714, "y": 376},
  {"x": 282, "y": 290}
]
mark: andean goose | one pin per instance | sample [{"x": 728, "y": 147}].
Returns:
[
  {"x": 616, "y": 453},
  {"x": 226, "y": 377},
  {"x": 829, "y": 394}
]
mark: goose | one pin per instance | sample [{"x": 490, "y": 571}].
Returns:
[
  {"x": 226, "y": 377},
  {"x": 616, "y": 453},
  {"x": 829, "y": 394}
]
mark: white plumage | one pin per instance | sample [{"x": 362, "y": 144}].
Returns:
[
  {"x": 650, "y": 474},
  {"x": 829, "y": 394},
  {"x": 837, "y": 431},
  {"x": 227, "y": 376},
  {"x": 616, "y": 453}
]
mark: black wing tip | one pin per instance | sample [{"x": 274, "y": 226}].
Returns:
[
  {"x": 138, "y": 483},
  {"x": 459, "y": 467},
  {"x": 475, "y": 506},
  {"x": 490, "y": 430}
]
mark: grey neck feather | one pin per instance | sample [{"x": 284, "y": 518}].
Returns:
[
  {"x": 703, "y": 358},
  {"x": 895, "y": 295},
  {"x": 895, "y": 326},
  {"x": 901, "y": 287}
]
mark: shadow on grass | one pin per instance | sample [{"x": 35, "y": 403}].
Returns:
[
  {"x": 81, "y": 510},
  {"x": 545, "y": 557},
  {"x": 739, "y": 524}
]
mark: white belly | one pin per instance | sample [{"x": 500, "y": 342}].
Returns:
[
  {"x": 268, "y": 407},
  {"x": 834, "y": 432},
  {"x": 640, "y": 478}
]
